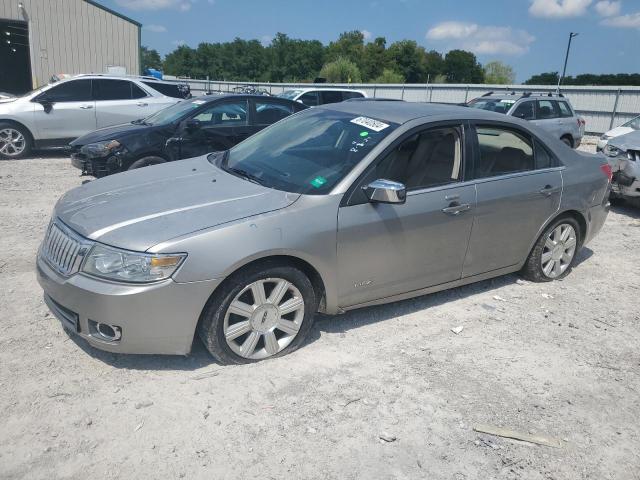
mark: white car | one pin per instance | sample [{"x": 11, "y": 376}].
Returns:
[
  {"x": 631, "y": 126},
  {"x": 312, "y": 97},
  {"x": 54, "y": 115}
]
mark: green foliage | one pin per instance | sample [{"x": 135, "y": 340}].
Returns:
[
  {"x": 409, "y": 60},
  {"x": 150, "y": 58},
  {"x": 341, "y": 70},
  {"x": 292, "y": 60},
  {"x": 374, "y": 59},
  {"x": 350, "y": 46},
  {"x": 498, "y": 73},
  {"x": 389, "y": 76},
  {"x": 551, "y": 78},
  {"x": 548, "y": 78},
  {"x": 461, "y": 66}
]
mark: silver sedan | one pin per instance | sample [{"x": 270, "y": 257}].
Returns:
[{"x": 331, "y": 209}]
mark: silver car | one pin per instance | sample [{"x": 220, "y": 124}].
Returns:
[
  {"x": 550, "y": 112},
  {"x": 334, "y": 208},
  {"x": 60, "y": 112},
  {"x": 623, "y": 154}
]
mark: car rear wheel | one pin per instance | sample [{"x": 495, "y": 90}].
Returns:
[
  {"x": 554, "y": 253},
  {"x": 15, "y": 141},
  {"x": 258, "y": 313},
  {"x": 146, "y": 162}
]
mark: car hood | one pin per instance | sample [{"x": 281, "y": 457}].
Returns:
[
  {"x": 116, "y": 132},
  {"x": 628, "y": 141},
  {"x": 138, "y": 209},
  {"x": 616, "y": 132},
  {"x": 8, "y": 99}
]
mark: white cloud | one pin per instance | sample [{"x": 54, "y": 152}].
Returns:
[
  {"x": 481, "y": 39},
  {"x": 631, "y": 20},
  {"x": 559, "y": 8},
  {"x": 608, "y": 8},
  {"x": 155, "y": 28},
  {"x": 366, "y": 34},
  {"x": 182, "y": 5}
]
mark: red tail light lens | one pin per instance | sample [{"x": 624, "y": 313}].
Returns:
[{"x": 606, "y": 169}]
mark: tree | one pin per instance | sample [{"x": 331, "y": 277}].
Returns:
[
  {"x": 341, "y": 70},
  {"x": 498, "y": 73},
  {"x": 461, "y": 66},
  {"x": 434, "y": 65},
  {"x": 389, "y": 76},
  {"x": 293, "y": 60},
  {"x": 350, "y": 46},
  {"x": 150, "y": 58},
  {"x": 408, "y": 59},
  {"x": 374, "y": 59},
  {"x": 181, "y": 62},
  {"x": 548, "y": 78}
]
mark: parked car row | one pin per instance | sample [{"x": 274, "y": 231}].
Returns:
[
  {"x": 331, "y": 208},
  {"x": 60, "y": 112}
]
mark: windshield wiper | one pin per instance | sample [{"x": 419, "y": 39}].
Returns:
[{"x": 244, "y": 174}]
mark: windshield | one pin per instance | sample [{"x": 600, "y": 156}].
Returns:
[
  {"x": 174, "y": 112},
  {"x": 492, "y": 104},
  {"x": 633, "y": 123},
  {"x": 306, "y": 153},
  {"x": 289, "y": 94}
]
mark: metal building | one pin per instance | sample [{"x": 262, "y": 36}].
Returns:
[{"x": 41, "y": 38}]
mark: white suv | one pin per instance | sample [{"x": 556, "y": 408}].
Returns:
[
  {"x": 60, "y": 112},
  {"x": 312, "y": 97}
]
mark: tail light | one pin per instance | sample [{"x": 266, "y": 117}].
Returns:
[
  {"x": 606, "y": 169},
  {"x": 581, "y": 122}
]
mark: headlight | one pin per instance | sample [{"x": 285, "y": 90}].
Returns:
[
  {"x": 611, "y": 151},
  {"x": 100, "y": 148},
  {"x": 124, "y": 266}
]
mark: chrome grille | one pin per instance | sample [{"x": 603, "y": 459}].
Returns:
[{"x": 63, "y": 249}]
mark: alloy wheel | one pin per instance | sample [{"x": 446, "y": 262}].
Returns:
[
  {"x": 559, "y": 250},
  {"x": 264, "y": 318},
  {"x": 12, "y": 142}
]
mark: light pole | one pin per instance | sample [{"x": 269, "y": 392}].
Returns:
[{"x": 566, "y": 58}]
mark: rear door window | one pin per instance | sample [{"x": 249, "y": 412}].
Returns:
[
  {"x": 543, "y": 158},
  {"x": 331, "y": 97},
  {"x": 547, "y": 109},
  {"x": 503, "y": 151},
  {"x": 347, "y": 95},
  {"x": 167, "y": 89},
  {"x": 105, "y": 89},
  {"x": 268, "y": 112},
  {"x": 224, "y": 114},
  {"x": 70, "y": 91}
]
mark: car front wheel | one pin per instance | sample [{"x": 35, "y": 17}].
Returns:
[
  {"x": 553, "y": 255},
  {"x": 258, "y": 313},
  {"x": 15, "y": 141}
]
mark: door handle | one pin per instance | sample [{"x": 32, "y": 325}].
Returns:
[
  {"x": 548, "y": 190},
  {"x": 142, "y": 104},
  {"x": 456, "y": 208},
  {"x": 86, "y": 107}
]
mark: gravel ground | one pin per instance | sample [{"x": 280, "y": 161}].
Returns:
[{"x": 381, "y": 393}]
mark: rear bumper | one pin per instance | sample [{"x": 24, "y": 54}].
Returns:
[
  {"x": 157, "y": 318},
  {"x": 596, "y": 217}
]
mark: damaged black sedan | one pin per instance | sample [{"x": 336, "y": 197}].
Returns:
[{"x": 187, "y": 129}]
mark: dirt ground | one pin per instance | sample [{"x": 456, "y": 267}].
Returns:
[{"x": 558, "y": 359}]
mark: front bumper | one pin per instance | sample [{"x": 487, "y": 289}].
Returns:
[
  {"x": 98, "y": 166},
  {"x": 157, "y": 318}
]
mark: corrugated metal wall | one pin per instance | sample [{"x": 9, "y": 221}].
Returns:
[
  {"x": 597, "y": 105},
  {"x": 74, "y": 36}
]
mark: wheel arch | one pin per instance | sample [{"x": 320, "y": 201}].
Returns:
[
  {"x": 571, "y": 213},
  {"x": 569, "y": 137},
  {"x": 312, "y": 273},
  {"x": 154, "y": 153},
  {"x": 21, "y": 125}
]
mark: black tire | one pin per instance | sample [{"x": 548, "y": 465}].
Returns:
[
  {"x": 28, "y": 140},
  {"x": 567, "y": 140},
  {"x": 146, "y": 162},
  {"x": 211, "y": 325},
  {"x": 532, "y": 269}
]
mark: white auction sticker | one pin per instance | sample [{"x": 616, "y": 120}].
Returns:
[{"x": 370, "y": 123}]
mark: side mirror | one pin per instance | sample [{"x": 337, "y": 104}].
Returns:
[
  {"x": 385, "y": 191},
  {"x": 46, "y": 103},
  {"x": 192, "y": 124}
]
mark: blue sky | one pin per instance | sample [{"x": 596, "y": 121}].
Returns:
[{"x": 530, "y": 35}]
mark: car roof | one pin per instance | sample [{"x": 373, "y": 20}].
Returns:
[
  {"x": 402, "y": 112},
  {"x": 215, "y": 96},
  {"x": 329, "y": 89}
]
